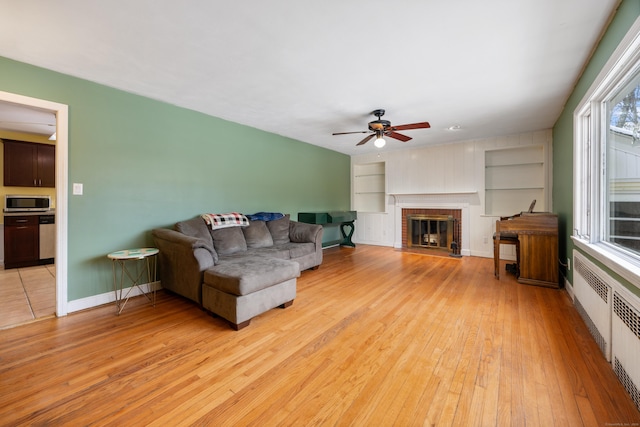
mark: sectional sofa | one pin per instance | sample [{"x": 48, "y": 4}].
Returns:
[{"x": 237, "y": 268}]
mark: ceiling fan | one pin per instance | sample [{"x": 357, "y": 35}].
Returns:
[{"x": 380, "y": 128}]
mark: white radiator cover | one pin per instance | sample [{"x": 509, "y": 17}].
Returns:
[
  {"x": 593, "y": 300},
  {"x": 612, "y": 314},
  {"x": 625, "y": 330}
]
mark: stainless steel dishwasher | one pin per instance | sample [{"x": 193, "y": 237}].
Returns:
[{"x": 47, "y": 237}]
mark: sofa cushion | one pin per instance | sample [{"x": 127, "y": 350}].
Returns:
[
  {"x": 273, "y": 251},
  {"x": 197, "y": 228},
  {"x": 257, "y": 235},
  {"x": 279, "y": 230},
  {"x": 242, "y": 275},
  {"x": 228, "y": 241}
]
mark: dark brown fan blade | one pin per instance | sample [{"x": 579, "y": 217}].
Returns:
[
  {"x": 347, "y": 133},
  {"x": 364, "y": 141},
  {"x": 422, "y": 125},
  {"x": 399, "y": 136}
]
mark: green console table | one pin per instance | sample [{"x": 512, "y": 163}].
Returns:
[{"x": 345, "y": 219}]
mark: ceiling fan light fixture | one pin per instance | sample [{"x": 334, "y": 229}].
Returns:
[
  {"x": 381, "y": 128},
  {"x": 379, "y": 142}
]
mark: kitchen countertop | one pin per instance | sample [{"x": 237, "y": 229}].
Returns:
[{"x": 49, "y": 212}]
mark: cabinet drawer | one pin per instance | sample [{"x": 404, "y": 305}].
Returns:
[{"x": 21, "y": 220}]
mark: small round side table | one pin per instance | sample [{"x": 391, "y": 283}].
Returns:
[{"x": 120, "y": 259}]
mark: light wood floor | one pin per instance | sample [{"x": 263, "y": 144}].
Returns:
[
  {"x": 27, "y": 294},
  {"x": 375, "y": 337}
]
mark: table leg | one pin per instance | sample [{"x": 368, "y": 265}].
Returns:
[
  {"x": 151, "y": 278},
  {"x": 346, "y": 238},
  {"x": 121, "y": 300}
]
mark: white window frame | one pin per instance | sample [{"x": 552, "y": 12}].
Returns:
[{"x": 591, "y": 124}]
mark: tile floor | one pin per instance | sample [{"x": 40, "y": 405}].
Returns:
[{"x": 27, "y": 294}]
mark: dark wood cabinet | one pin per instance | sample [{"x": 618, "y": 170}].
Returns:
[
  {"x": 27, "y": 164},
  {"x": 21, "y": 241},
  {"x": 46, "y": 158}
]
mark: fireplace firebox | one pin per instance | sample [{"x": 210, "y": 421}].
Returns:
[{"x": 430, "y": 231}]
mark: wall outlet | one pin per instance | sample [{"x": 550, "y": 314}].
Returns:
[{"x": 485, "y": 239}]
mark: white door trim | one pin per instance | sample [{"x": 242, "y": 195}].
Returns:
[{"x": 62, "y": 177}]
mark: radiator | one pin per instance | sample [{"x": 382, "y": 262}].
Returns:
[
  {"x": 592, "y": 290},
  {"x": 612, "y": 314},
  {"x": 625, "y": 330}
]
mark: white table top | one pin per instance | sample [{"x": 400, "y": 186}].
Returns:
[{"x": 137, "y": 253}]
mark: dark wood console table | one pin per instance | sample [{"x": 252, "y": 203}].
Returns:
[{"x": 345, "y": 219}]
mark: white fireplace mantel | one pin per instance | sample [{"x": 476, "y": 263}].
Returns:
[
  {"x": 457, "y": 200},
  {"x": 409, "y": 197}
]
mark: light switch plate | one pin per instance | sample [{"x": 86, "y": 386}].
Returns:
[{"x": 77, "y": 189}]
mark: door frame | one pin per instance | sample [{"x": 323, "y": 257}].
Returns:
[{"x": 62, "y": 184}]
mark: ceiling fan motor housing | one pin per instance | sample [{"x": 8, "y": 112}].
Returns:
[{"x": 379, "y": 125}]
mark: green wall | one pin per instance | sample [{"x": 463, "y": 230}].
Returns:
[
  {"x": 147, "y": 164},
  {"x": 626, "y": 15}
]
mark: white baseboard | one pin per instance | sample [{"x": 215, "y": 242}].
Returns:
[{"x": 102, "y": 299}]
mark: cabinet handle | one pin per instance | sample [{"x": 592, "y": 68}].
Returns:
[
  {"x": 39, "y": 183},
  {"x": 22, "y": 220}
]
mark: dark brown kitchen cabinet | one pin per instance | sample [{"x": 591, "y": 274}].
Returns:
[
  {"x": 27, "y": 164},
  {"x": 21, "y": 241}
]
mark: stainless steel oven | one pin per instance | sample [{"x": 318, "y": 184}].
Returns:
[{"x": 19, "y": 203}]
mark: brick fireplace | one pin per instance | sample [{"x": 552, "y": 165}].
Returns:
[
  {"x": 453, "y": 204},
  {"x": 438, "y": 228}
]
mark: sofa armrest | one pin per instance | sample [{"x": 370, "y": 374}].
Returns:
[
  {"x": 183, "y": 260},
  {"x": 301, "y": 232}
]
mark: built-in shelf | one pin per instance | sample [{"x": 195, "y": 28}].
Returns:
[
  {"x": 369, "y": 187},
  {"x": 513, "y": 178}
]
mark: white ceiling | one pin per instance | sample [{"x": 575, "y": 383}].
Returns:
[{"x": 307, "y": 69}]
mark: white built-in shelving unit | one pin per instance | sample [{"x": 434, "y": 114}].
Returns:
[
  {"x": 369, "y": 187},
  {"x": 513, "y": 178}
]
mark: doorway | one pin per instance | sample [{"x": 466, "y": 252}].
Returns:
[{"x": 62, "y": 127}]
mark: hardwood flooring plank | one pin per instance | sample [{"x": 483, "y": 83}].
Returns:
[
  {"x": 376, "y": 336},
  {"x": 547, "y": 335}
]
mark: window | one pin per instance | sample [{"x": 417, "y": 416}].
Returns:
[
  {"x": 622, "y": 188},
  {"x": 607, "y": 163}
]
